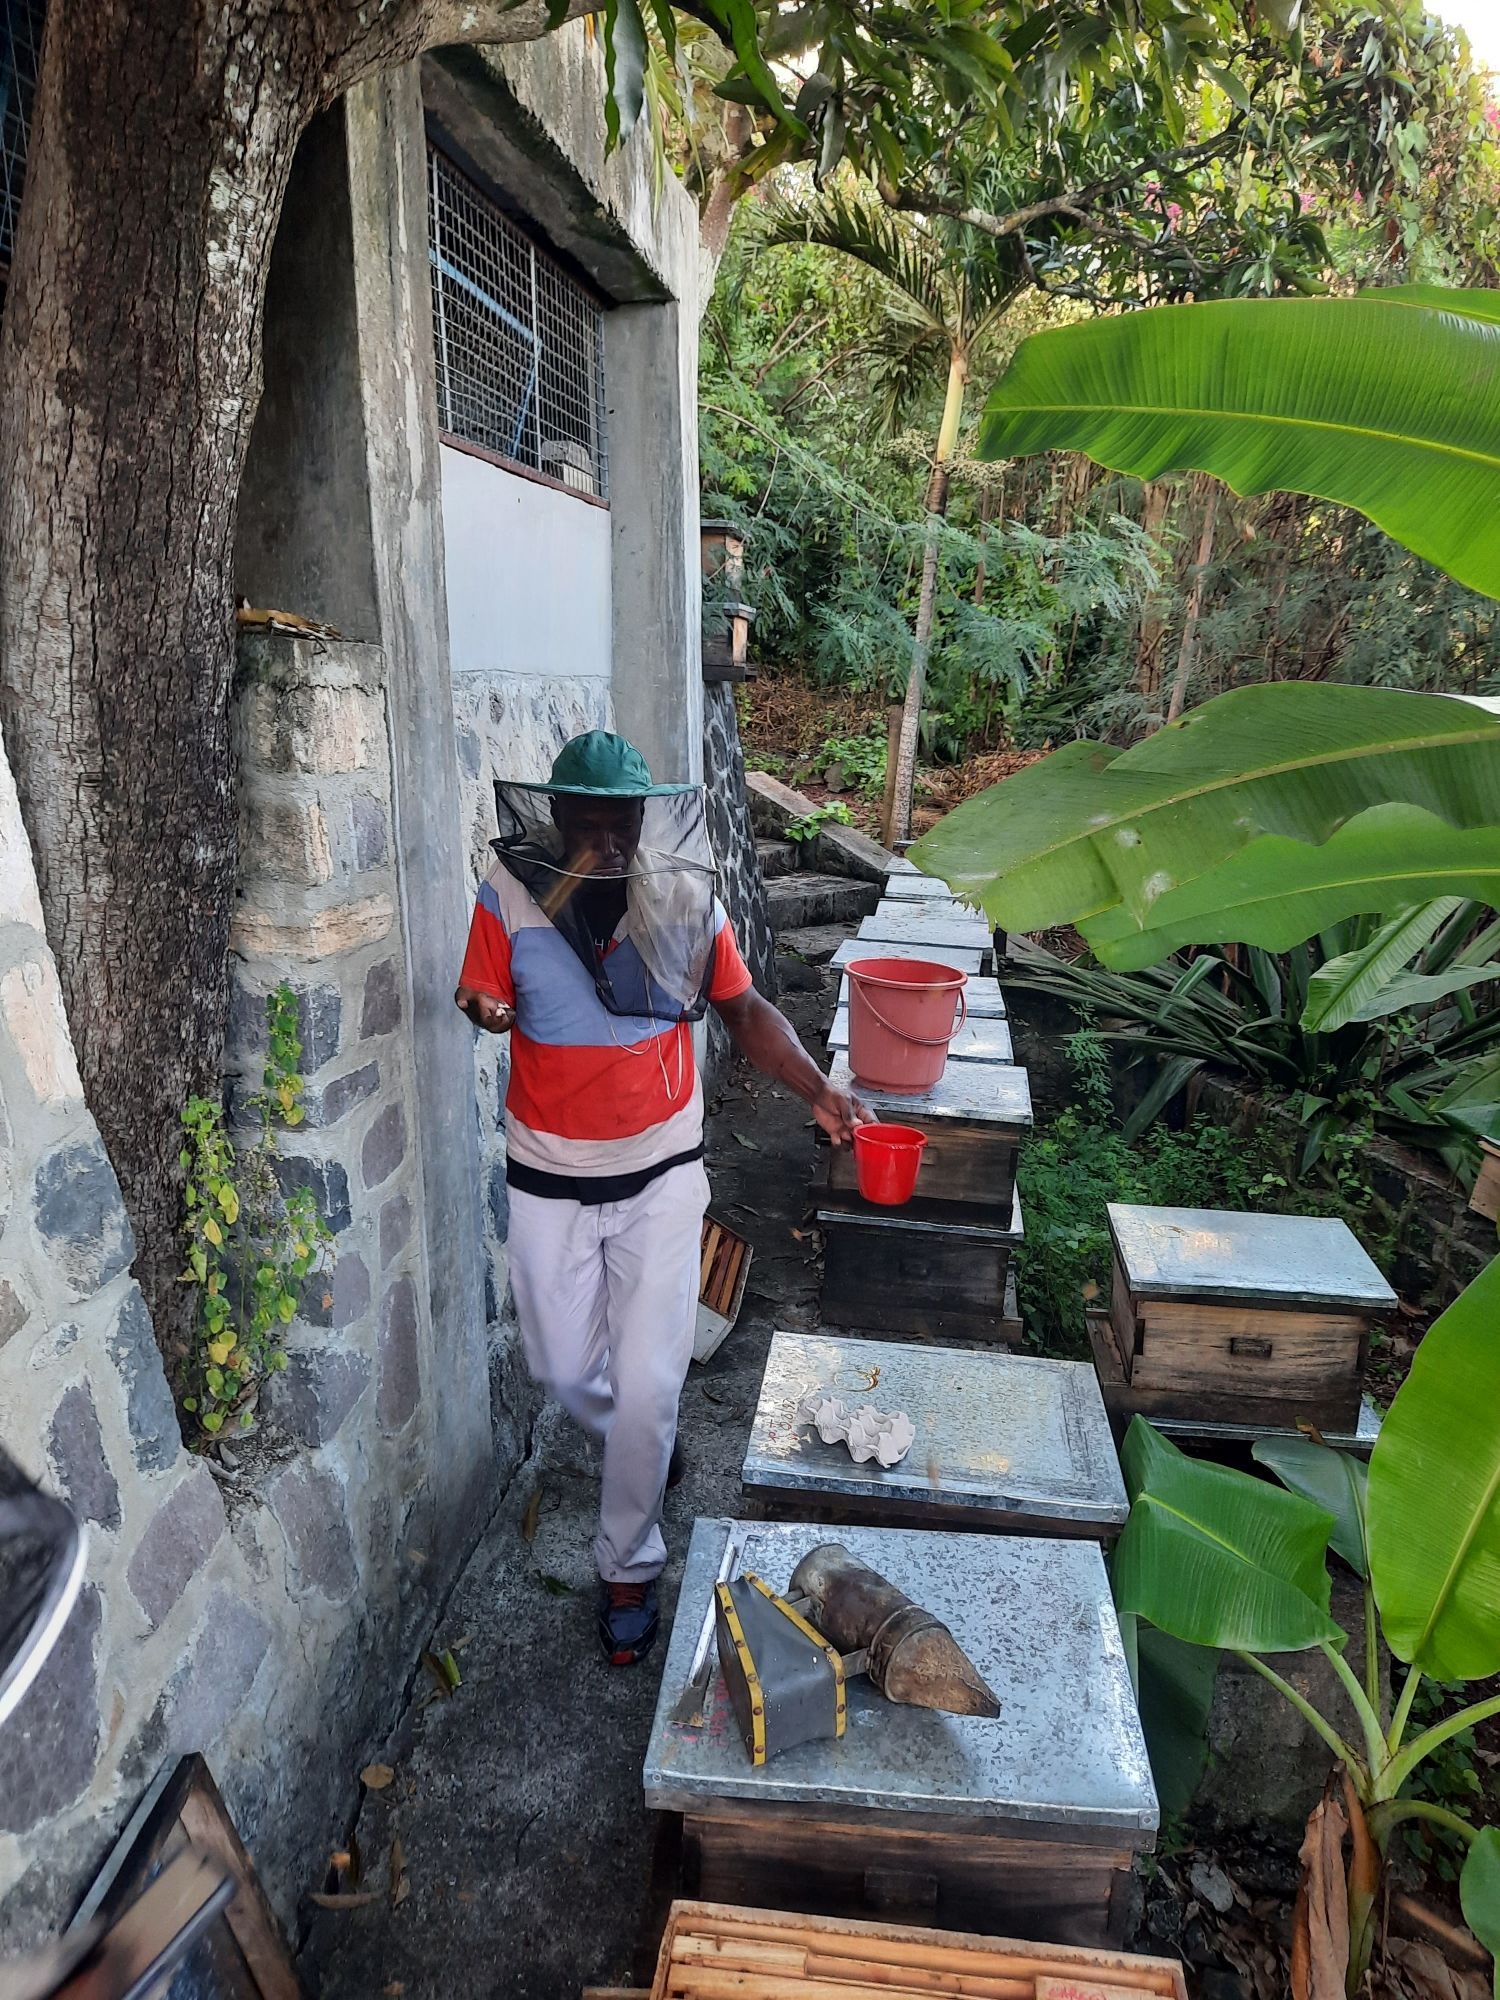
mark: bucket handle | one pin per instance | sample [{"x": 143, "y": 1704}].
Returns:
[{"x": 923, "y": 1041}]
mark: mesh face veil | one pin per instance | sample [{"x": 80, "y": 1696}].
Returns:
[{"x": 656, "y": 961}]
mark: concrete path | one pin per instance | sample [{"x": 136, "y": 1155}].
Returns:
[{"x": 516, "y": 1800}]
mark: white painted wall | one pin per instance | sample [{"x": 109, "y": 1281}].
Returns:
[{"x": 528, "y": 574}]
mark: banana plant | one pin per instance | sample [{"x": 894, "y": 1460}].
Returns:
[
  {"x": 1271, "y": 812},
  {"x": 1216, "y": 1558}
]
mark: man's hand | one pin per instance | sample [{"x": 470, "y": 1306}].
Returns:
[
  {"x": 485, "y": 1011},
  {"x": 838, "y": 1112}
]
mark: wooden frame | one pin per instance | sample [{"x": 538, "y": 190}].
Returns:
[
  {"x": 705, "y": 1945},
  {"x": 244, "y": 1955}
]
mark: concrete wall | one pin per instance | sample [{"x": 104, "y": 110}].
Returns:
[{"x": 528, "y": 574}]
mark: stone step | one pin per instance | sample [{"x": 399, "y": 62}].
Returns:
[
  {"x": 816, "y": 943},
  {"x": 777, "y": 857},
  {"x": 796, "y": 901}
]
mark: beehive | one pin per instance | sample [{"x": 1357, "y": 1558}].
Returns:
[{"x": 1236, "y": 1318}]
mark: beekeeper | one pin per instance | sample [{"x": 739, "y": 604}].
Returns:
[{"x": 597, "y": 940}]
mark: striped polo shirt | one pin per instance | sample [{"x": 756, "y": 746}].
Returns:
[{"x": 591, "y": 1093}]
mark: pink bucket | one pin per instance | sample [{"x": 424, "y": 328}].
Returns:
[{"x": 901, "y": 1019}]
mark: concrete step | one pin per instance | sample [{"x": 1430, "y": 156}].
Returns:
[
  {"x": 814, "y": 943},
  {"x": 796, "y": 901},
  {"x": 777, "y": 857}
]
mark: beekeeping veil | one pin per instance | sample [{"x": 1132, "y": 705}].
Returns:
[{"x": 660, "y": 964}]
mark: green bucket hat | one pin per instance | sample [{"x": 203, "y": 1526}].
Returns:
[{"x": 601, "y": 765}]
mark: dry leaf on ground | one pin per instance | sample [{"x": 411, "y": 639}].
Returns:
[{"x": 1320, "y": 1923}]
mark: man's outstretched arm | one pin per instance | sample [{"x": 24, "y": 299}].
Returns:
[{"x": 767, "y": 1038}]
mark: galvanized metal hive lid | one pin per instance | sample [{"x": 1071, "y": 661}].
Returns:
[
  {"x": 949, "y": 1231},
  {"x": 960, "y": 958},
  {"x": 921, "y": 924},
  {"x": 1036, "y": 1618},
  {"x": 1219, "y": 1254},
  {"x": 968, "y": 1093},
  {"x": 1002, "y": 1433}
]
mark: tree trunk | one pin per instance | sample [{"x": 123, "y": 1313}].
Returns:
[
  {"x": 898, "y": 825},
  {"x": 1187, "y": 652},
  {"x": 1151, "y": 632},
  {"x": 162, "y": 138}
]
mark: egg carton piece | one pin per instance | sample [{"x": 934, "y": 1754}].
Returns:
[{"x": 886, "y": 1435}]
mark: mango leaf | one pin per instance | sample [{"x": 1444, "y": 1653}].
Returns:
[
  {"x": 1387, "y": 402},
  {"x": 1434, "y": 1505},
  {"x": 1276, "y": 892},
  {"x": 624, "y": 68},
  {"x": 1333, "y": 1481},
  {"x": 1479, "y": 1888},
  {"x": 1092, "y": 832},
  {"x": 1342, "y": 986},
  {"x": 1217, "y": 1558}
]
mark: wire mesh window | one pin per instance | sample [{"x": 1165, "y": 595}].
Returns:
[
  {"x": 519, "y": 344},
  {"x": 20, "y": 60}
]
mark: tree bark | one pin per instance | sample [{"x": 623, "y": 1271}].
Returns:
[
  {"x": 162, "y": 139},
  {"x": 1187, "y": 652},
  {"x": 1152, "y": 629},
  {"x": 898, "y": 825}
]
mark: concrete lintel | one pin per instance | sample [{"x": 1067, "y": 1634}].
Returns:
[{"x": 527, "y": 125}]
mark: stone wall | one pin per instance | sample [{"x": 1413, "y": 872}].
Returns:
[
  {"x": 733, "y": 836},
  {"x": 265, "y": 1612}
]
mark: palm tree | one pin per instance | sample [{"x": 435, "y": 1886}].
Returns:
[{"x": 947, "y": 287}]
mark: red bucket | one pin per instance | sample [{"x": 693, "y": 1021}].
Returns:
[
  {"x": 886, "y": 1160},
  {"x": 901, "y": 1020}
]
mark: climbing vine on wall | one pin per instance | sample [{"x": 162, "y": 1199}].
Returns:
[{"x": 251, "y": 1245}]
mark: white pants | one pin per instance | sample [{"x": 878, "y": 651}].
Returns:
[{"x": 607, "y": 1298}]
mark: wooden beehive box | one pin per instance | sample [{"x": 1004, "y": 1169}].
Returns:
[
  {"x": 712, "y": 1949},
  {"x": 973, "y": 1116},
  {"x": 890, "y": 1272},
  {"x": 1237, "y": 1318},
  {"x": 1026, "y": 1825}
]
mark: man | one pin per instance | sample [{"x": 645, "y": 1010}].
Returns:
[{"x": 597, "y": 942}]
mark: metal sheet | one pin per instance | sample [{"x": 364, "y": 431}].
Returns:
[
  {"x": 962, "y": 960},
  {"x": 970, "y": 1093},
  {"x": 996, "y": 1433},
  {"x": 869, "y": 1216},
  {"x": 978, "y": 1040},
  {"x": 1209, "y": 1253},
  {"x": 982, "y": 995},
  {"x": 920, "y": 888},
  {"x": 915, "y": 924},
  {"x": 929, "y": 909},
  {"x": 1036, "y": 1618},
  {"x": 1362, "y": 1440}
]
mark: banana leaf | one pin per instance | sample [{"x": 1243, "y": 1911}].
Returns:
[
  {"x": 1122, "y": 843},
  {"x": 1217, "y": 1558},
  {"x": 1411, "y": 990},
  {"x": 1333, "y": 1481},
  {"x": 1388, "y": 402},
  {"x": 1276, "y": 892},
  {"x": 1434, "y": 1498},
  {"x": 1356, "y": 979},
  {"x": 1175, "y": 1694},
  {"x": 1479, "y": 1888}
]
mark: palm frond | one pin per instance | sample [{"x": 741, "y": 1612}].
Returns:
[{"x": 902, "y": 253}]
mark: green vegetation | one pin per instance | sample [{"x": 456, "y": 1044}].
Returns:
[
  {"x": 251, "y": 1247},
  {"x": 1214, "y": 1558}
]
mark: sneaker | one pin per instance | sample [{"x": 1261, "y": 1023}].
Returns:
[
  {"x": 678, "y": 1466},
  {"x": 627, "y": 1621}
]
